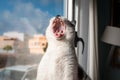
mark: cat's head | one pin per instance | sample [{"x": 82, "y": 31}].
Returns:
[{"x": 60, "y": 29}]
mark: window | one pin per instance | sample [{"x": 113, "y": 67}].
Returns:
[{"x": 22, "y": 26}]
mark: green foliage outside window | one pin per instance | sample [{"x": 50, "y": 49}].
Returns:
[{"x": 7, "y": 48}]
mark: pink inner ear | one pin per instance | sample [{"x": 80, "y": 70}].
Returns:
[{"x": 58, "y": 28}]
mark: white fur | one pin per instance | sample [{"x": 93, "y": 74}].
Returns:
[{"x": 59, "y": 61}]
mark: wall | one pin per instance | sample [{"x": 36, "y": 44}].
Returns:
[
  {"x": 103, "y": 20},
  {"x": 106, "y": 72}
]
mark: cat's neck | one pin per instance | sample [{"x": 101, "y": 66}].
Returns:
[
  {"x": 57, "y": 43},
  {"x": 59, "y": 48}
]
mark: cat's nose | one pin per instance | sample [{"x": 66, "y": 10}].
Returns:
[{"x": 57, "y": 16}]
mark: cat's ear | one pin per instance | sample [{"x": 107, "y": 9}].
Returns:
[{"x": 73, "y": 22}]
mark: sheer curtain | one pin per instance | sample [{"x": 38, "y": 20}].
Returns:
[
  {"x": 85, "y": 14},
  {"x": 93, "y": 42}
]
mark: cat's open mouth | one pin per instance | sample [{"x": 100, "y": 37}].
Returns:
[{"x": 58, "y": 27}]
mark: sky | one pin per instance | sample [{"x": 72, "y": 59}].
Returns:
[{"x": 28, "y": 16}]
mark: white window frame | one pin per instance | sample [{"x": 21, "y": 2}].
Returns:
[{"x": 73, "y": 10}]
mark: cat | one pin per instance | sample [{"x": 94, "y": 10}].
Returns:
[{"x": 60, "y": 61}]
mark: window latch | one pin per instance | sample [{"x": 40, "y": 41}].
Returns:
[{"x": 77, "y": 39}]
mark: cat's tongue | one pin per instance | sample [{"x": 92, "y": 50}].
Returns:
[{"x": 58, "y": 28}]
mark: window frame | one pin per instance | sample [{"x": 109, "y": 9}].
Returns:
[{"x": 73, "y": 11}]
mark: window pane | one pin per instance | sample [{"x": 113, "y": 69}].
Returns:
[{"x": 22, "y": 35}]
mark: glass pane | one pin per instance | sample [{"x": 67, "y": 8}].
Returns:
[{"x": 22, "y": 35}]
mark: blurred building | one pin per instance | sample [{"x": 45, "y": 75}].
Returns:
[
  {"x": 37, "y": 44},
  {"x": 22, "y": 43},
  {"x": 18, "y": 35},
  {"x": 19, "y": 41}
]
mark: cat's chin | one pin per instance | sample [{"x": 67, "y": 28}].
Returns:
[{"x": 58, "y": 28}]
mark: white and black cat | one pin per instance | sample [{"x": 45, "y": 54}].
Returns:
[{"x": 60, "y": 61}]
